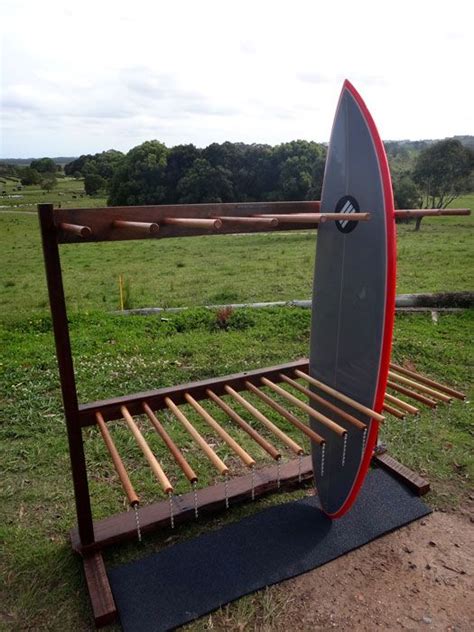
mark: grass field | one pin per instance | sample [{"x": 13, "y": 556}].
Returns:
[
  {"x": 67, "y": 192},
  {"x": 213, "y": 270},
  {"x": 43, "y": 587}
]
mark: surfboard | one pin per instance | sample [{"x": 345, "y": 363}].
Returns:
[{"x": 353, "y": 303}]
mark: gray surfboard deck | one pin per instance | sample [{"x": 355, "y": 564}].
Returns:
[{"x": 353, "y": 298}]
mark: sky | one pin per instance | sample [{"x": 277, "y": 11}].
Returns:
[{"x": 83, "y": 77}]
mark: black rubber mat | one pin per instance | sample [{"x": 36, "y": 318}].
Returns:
[{"x": 188, "y": 580}]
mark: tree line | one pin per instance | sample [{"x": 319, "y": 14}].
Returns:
[
  {"x": 424, "y": 174},
  {"x": 151, "y": 173}
]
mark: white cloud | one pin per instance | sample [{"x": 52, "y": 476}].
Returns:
[{"x": 88, "y": 76}]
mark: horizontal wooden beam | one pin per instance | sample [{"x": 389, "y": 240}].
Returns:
[
  {"x": 118, "y": 223},
  {"x": 111, "y": 408},
  {"x": 122, "y": 527},
  {"x": 103, "y": 222}
]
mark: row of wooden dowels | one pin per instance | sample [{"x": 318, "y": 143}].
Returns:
[
  {"x": 405, "y": 381},
  {"x": 257, "y": 221},
  {"x": 214, "y": 223},
  {"x": 238, "y": 420},
  {"x": 419, "y": 388}
]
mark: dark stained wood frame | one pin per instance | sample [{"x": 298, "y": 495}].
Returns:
[{"x": 110, "y": 224}]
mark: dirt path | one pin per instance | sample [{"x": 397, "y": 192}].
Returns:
[{"x": 417, "y": 578}]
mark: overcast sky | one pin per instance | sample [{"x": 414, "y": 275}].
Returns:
[{"x": 86, "y": 76}]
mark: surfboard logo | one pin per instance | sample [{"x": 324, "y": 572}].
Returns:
[{"x": 347, "y": 205}]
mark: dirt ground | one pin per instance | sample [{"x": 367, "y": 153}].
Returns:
[{"x": 417, "y": 578}]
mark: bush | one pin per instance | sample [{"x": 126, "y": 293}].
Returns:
[
  {"x": 94, "y": 183},
  {"x": 30, "y": 176}
]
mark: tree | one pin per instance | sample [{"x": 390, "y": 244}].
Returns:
[
  {"x": 44, "y": 165},
  {"x": 255, "y": 177},
  {"x": 180, "y": 159},
  {"x": 205, "y": 183},
  {"x": 103, "y": 164},
  {"x": 49, "y": 183},
  {"x": 94, "y": 183},
  {"x": 443, "y": 171},
  {"x": 29, "y": 176},
  {"x": 299, "y": 165},
  {"x": 295, "y": 178},
  {"x": 406, "y": 193},
  {"x": 140, "y": 176},
  {"x": 76, "y": 166}
]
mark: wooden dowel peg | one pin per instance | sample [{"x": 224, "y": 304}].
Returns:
[
  {"x": 142, "y": 228},
  {"x": 117, "y": 461},
  {"x": 393, "y": 411},
  {"x": 170, "y": 444},
  {"x": 75, "y": 229},
  {"x": 428, "y": 381},
  {"x": 220, "y": 466},
  {"x": 257, "y": 437},
  {"x": 241, "y": 453},
  {"x": 316, "y": 398},
  {"x": 145, "y": 448},
  {"x": 343, "y": 398},
  {"x": 413, "y": 394},
  {"x": 420, "y": 387},
  {"x": 399, "y": 403},
  {"x": 309, "y": 432},
  {"x": 430, "y": 212},
  {"x": 316, "y": 218},
  {"x": 297, "y": 449},
  {"x": 191, "y": 222},
  {"x": 271, "y": 222},
  {"x": 329, "y": 423}
]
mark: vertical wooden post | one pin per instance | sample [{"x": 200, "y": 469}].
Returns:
[{"x": 66, "y": 372}]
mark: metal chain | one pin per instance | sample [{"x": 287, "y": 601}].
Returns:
[
  {"x": 226, "y": 488},
  {"x": 323, "y": 456},
  {"x": 278, "y": 473},
  {"x": 252, "y": 469},
  {"x": 170, "y": 498},
  {"x": 196, "y": 512},
  {"x": 364, "y": 439},
  {"x": 300, "y": 461},
  {"x": 344, "y": 449},
  {"x": 137, "y": 520}
]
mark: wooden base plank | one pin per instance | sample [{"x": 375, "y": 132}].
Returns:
[
  {"x": 102, "y": 601},
  {"x": 413, "y": 480},
  {"x": 122, "y": 527}
]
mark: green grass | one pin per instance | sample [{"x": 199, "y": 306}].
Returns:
[
  {"x": 114, "y": 355},
  {"x": 212, "y": 270},
  {"x": 68, "y": 192},
  {"x": 43, "y": 586}
]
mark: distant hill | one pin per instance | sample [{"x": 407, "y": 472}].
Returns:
[
  {"x": 25, "y": 162},
  {"x": 393, "y": 148},
  {"x": 467, "y": 141}
]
